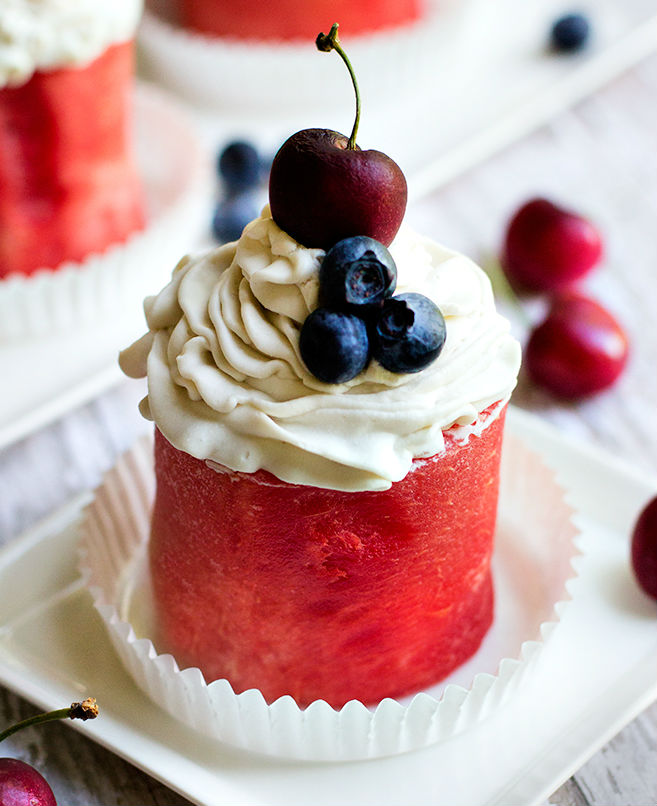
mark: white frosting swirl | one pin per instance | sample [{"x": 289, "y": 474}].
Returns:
[
  {"x": 226, "y": 382},
  {"x": 45, "y": 34}
]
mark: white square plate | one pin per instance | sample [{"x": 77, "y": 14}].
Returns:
[{"x": 600, "y": 672}]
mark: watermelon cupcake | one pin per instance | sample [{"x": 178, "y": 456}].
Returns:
[
  {"x": 327, "y": 541},
  {"x": 329, "y": 418},
  {"x": 326, "y": 594},
  {"x": 68, "y": 182}
]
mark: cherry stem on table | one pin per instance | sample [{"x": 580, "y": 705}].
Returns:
[{"x": 87, "y": 709}]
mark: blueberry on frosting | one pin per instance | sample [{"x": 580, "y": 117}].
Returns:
[
  {"x": 356, "y": 275},
  {"x": 334, "y": 345},
  {"x": 359, "y": 317},
  {"x": 408, "y": 334}
]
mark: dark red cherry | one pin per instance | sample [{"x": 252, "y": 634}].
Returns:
[
  {"x": 321, "y": 191},
  {"x": 547, "y": 248},
  {"x": 644, "y": 549},
  {"x": 323, "y": 188},
  {"x": 22, "y": 785},
  {"x": 578, "y": 350}
]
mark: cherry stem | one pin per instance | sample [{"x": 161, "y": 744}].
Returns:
[
  {"x": 503, "y": 289},
  {"x": 327, "y": 43},
  {"x": 87, "y": 709}
]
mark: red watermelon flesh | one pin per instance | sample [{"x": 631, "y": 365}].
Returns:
[
  {"x": 295, "y": 19},
  {"x": 68, "y": 183},
  {"x": 323, "y": 594}
]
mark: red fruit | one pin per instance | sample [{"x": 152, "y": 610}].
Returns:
[
  {"x": 22, "y": 785},
  {"x": 321, "y": 191},
  {"x": 320, "y": 593},
  {"x": 644, "y": 549},
  {"x": 290, "y": 19},
  {"x": 68, "y": 183},
  {"x": 323, "y": 188},
  {"x": 579, "y": 349},
  {"x": 547, "y": 248}
]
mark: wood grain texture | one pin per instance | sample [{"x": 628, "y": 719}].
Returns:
[
  {"x": 597, "y": 158},
  {"x": 623, "y": 773}
]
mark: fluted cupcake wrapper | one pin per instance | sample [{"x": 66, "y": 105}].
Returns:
[
  {"x": 176, "y": 178},
  {"x": 535, "y": 546},
  {"x": 232, "y": 75}
]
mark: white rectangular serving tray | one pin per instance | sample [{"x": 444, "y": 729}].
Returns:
[{"x": 599, "y": 671}]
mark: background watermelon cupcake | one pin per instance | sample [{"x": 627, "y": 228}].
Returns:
[
  {"x": 293, "y": 19},
  {"x": 68, "y": 182},
  {"x": 232, "y": 59}
]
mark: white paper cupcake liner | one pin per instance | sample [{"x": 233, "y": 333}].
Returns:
[
  {"x": 176, "y": 178},
  {"x": 532, "y": 566},
  {"x": 435, "y": 53}
]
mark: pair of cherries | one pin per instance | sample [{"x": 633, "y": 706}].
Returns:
[{"x": 580, "y": 348}]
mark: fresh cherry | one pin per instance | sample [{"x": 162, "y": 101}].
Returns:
[
  {"x": 409, "y": 333},
  {"x": 323, "y": 188},
  {"x": 334, "y": 345},
  {"x": 644, "y": 549},
  {"x": 20, "y": 783},
  {"x": 547, "y": 248},
  {"x": 356, "y": 275},
  {"x": 578, "y": 350}
]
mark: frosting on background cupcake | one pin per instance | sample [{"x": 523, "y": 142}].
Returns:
[
  {"x": 227, "y": 384},
  {"x": 46, "y": 34}
]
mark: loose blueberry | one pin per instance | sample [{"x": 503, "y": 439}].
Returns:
[
  {"x": 409, "y": 333},
  {"x": 570, "y": 33},
  {"x": 356, "y": 274},
  {"x": 334, "y": 345},
  {"x": 239, "y": 166},
  {"x": 232, "y": 215}
]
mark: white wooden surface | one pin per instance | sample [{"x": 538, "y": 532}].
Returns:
[{"x": 598, "y": 158}]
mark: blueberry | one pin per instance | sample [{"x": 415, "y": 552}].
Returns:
[
  {"x": 570, "y": 33},
  {"x": 356, "y": 274},
  {"x": 232, "y": 215},
  {"x": 239, "y": 166},
  {"x": 334, "y": 345},
  {"x": 408, "y": 334}
]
